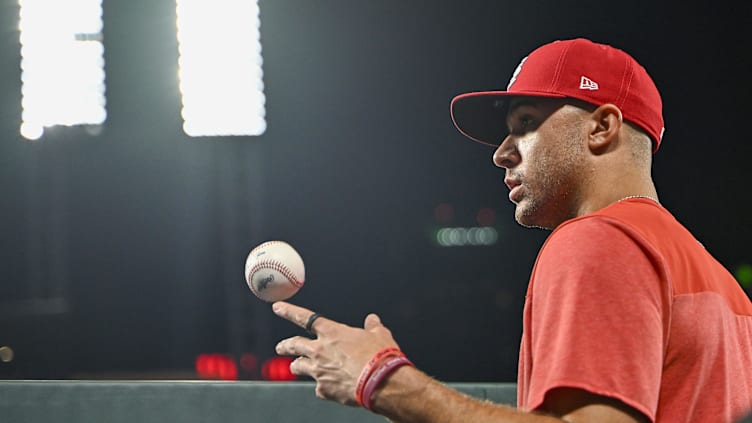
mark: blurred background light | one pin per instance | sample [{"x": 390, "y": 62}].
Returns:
[
  {"x": 743, "y": 274},
  {"x": 486, "y": 216},
  {"x": 6, "y": 354},
  {"x": 249, "y": 362},
  {"x": 62, "y": 64},
  {"x": 216, "y": 366},
  {"x": 444, "y": 213},
  {"x": 278, "y": 369},
  {"x": 461, "y": 237},
  {"x": 220, "y": 67}
]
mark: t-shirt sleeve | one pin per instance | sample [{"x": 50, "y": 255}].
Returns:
[{"x": 599, "y": 315}]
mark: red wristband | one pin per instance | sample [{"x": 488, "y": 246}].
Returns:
[
  {"x": 370, "y": 367},
  {"x": 377, "y": 376}
]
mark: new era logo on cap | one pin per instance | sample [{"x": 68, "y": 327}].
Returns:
[{"x": 588, "y": 84}]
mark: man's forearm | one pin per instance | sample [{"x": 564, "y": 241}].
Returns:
[{"x": 410, "y": 396}]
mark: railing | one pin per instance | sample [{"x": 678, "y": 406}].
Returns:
[{"x": 190, "y": 401}]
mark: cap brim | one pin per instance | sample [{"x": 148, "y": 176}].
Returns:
[{"x": 482, "y": 116}]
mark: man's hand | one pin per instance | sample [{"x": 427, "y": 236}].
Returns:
[{"x": 337, "y": 355}]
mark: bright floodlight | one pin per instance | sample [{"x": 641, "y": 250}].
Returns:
[
  {"x": 62, "y": 64},
  {"x": 220, "y": 67}
]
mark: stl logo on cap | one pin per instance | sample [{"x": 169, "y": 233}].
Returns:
[{"x": 516, "y": 73}]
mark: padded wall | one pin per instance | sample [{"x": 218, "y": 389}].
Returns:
[{"x": 189, "y": 402}]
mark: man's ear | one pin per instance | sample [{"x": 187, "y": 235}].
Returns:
[{"x": 607, "y": 121}]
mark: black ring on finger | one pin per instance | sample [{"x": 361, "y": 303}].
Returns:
[{"x": 309, "y": 324}]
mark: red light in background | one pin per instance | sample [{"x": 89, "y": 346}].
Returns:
[
  {"x": 278, "y": 369},
  {"x": 249, "y": 363},
  {"x": 486, "y": 217},
  {"x": 444, "y": 213},
  {"x": 216, "y": 366}
]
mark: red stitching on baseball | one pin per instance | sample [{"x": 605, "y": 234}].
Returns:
[{"x": 279, "y": 267}]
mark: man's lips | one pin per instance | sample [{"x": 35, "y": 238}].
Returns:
[{"x": 514, "y": 186}]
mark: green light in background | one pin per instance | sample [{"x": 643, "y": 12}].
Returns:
[
  {"x": 743, "y": 274},
  {"x": 461, "y": 237}
]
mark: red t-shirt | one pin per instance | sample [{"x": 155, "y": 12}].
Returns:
[{"x": 626, "y": 303}]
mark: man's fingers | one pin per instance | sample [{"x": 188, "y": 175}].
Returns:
[
  {"x": 295, "y": 314},
  {"x": 372, "y": 320},
  {"x": 301, "y": 366},
  {"x": 296, "y": 345},
  {"x": 300, "y": 316}
]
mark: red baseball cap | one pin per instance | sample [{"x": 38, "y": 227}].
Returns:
[{"x": 578, "y": 68}]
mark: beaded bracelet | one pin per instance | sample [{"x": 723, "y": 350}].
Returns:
[
  {"x": 372, "y": 364},
  {"x": 377, "y": 376}
]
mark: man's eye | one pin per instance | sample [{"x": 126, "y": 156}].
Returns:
[{"x": 522, "y": 125}]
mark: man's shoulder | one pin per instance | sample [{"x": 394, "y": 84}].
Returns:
[
  {"x": 635, "y": 225},
  {"x": 592, "y": 237},
  {"x": 638, "y": 218}
]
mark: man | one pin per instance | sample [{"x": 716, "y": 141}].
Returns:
[{"x": 627, "y": 317}]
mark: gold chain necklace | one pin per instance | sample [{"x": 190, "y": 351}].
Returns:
[{"x": 639, "y": 196}]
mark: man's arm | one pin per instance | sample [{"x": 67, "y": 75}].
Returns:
[
  {"x": 339, "y": 352},
  {"x": 409, "y": 396}
]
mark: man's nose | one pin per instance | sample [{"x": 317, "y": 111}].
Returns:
[{"x": 506, "y": 154}]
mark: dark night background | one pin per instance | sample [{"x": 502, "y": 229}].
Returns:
[{"x": 123, "y": 252}]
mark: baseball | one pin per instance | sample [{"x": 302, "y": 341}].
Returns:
[{"x": 274, "y": 271}]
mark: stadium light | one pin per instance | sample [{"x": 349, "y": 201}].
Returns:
[{"x": 220, "y": 67}]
